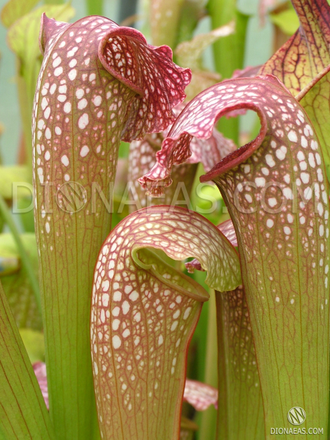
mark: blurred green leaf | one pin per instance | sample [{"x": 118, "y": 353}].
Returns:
[
  {"x": 18, "y": 174},
  {"x": 94, "y": 7},
  {"x": 17, "y": 286},
  {"x": 25, "y": 209},
  {"x": 34, "y": 343},
  {"x": 188, "y": 428},
  {"x": 23, "y": 34},
  {"x": 23, "y": 413},
  {"x": 189, "y": 53},
  {"x": 23, "y": 39},
  {"x": 287, "y": 21},
  {"x": 9, "y": 265},
  {"x": 165, "y": 20},
  {"x": 191, "y": 13},
  {"x": 15, "y": 9}
]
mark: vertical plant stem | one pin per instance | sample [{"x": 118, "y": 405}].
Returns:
[
  {"x": 94, "y": 7},
  {"x": 208, "y": 418},
  {"x": 228, "y": 52},
  {"x": 82, "y": 110},
  {"x": 4, "y": 211},
  {"x": 240, "y": 408},
  {"x": 164, "y": 17},
  {"x": 25, "y": 105},
  {"x": 127, "y": 8}
]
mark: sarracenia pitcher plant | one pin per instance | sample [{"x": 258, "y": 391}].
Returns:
[{"x": 117, "y": 316}]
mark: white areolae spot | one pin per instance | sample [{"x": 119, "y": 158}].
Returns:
[
  {"x": 47, "y": 227},
  {"x": 67, "y": 107},
  {"x": 73, "y": 63},
  {"x": 72, "y": 74},
  {"x": 248, "y": 198},
  {"x": 260, "y": 181},
  {"x": 82, "y": 104},
  {"x": 288, "y": 194},
  {"x": 58, "y": 71},
  {"x": 47, "y": 112},
  {"x": 72, "y": 52},
  {"x": 83, "y": 121},
  {"x": 174, "y": 326},
  {"x": 41, "y": 124},
  {"x": 125, "y": 307},
  {"x": 304, "y": 177},
  {"x": 65, "y": 160},
  {"x": 270, "y": 160},
  {"x": 272, "y": 202},
  {"x": 134, "y": 296},
  {"x": 314, "y": 144},
  {"x": 281, "y": 152},
  {"x": 304, "y": 142},
  {"x": 115, "y": 324},
  {"x": 116, "y": 342},
  {"x": 311, "y": 160},
  {"x": 292, "y": 135},
  {"x": 269, "y": 223},
  {"x": 105, "y": 299},
  {"x": 186, "y": 313},
  {"x": 48, "y": 133},
  {"x": 290, "y": 218},
  {"x": 40, "y": 172},
  {"x": 80, "y": 93},
  {"x": 84, "y": 151},
  {"x": 97, "y": 100}
]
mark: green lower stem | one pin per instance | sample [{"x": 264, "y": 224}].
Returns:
[
  {"x": 208, "y": 418},
  {"x": 240, "y": 412}
]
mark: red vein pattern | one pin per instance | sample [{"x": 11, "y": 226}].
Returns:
[
  {"x": 315, "y": 100},
  {"x": 307, "y": 52},
  {"x": 143, "y": 315},
  {"x": 276, "y": 193},
  {"x": 142, "y": 157},
  {"x": 85, "y": 102},
  {"x": 150, "y": 72}
]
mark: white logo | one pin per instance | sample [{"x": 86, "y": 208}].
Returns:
[{"x": 296, "y": 416}]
